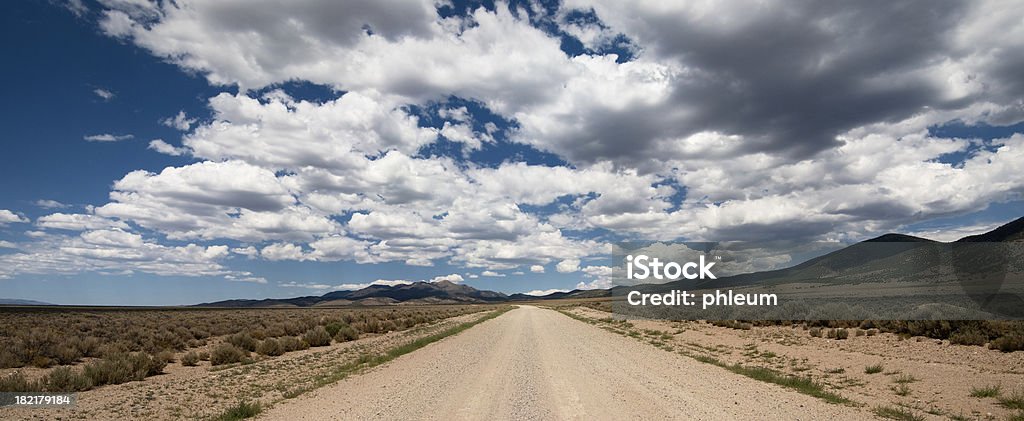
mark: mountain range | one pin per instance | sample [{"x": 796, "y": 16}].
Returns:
[{"x": 884, "y": 256}]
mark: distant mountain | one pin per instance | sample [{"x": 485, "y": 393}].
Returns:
[
  {"x": 443, "y": 292},
  {"x": 890, "y": 256},
  {"x": 17, "y": 302},
  {"x": 1012, "y": 231}
]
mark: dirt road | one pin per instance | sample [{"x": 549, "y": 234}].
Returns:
[{"x": 534, "y": 363}]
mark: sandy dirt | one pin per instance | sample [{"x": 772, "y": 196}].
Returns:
[
  {"x": 942, "y": 374},
  {"x": 534, "y": 363}
]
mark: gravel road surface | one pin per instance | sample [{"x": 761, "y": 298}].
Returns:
[{"x": 534, "y": 363}]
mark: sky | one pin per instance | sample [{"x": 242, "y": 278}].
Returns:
[{"x": 167, "y": 153}]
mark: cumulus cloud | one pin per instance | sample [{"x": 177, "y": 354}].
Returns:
[
  {"x": 453, "y": 278},
  {"x": 7, "y": 217},
  {"x": 492, "y": 273},
  {"x": 180, "y": 121},
  {"x": 78, "y": 222},
  {"x": 107, "y": 137},
  {"x": 166, "y": 148},
  {"x": 729, "y": 121},
  {"x": 113, "y": 251},
  {"x": 568, "y": 266},
  {"x": 387, "y": 282}
]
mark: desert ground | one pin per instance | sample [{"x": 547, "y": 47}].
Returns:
[{"x": 557, "y": 361}]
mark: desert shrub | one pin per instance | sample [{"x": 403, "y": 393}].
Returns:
[
  {"x": 67, "y": 353},
  {"x": 8, "y": 359},
  {"x": 346, "y": 333},
  {"x": 165, "y": 356},
  {"x": 270, "y": 347},
  {"x": 815, "y": 332},
  {"x": 291, "y": 343},
  {"x": 371, "y": 326},
  {"x": 334, "y": 327},
  {"x": 66, "y": 379},
  {"x": 115, "y": 348},
  {"x": 874, "y": 369},
  {"x": 317, "y": 336},
  {"x": 243, "y": 340},
  {"x": 204, "y": 355},
  {"x": 226, "y": 353},
  {"x": 118, "y": 368},
  {"x": 18, "y": 383},
  {"x": 968, "y": 335},
  {"x": 190, "y": 359},
  {"x": 90, "y": 346},
  {"x": 840, "y": 333},
  {"x": 1009, "y": 343},
  {"x": 41, "y": 361}
]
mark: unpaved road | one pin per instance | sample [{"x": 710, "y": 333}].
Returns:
[{"x": 533, "y": 363}]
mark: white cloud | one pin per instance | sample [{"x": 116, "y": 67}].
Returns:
[
  {"x": 210, "y": 200},
  {"x": 76, "y": 7},
  {"x": 307, "y": 285},
  {"x": 453, "y": 278},
  {"x": 282, "y": 251},
  {"x": 180, "y": 121},
  {"x": 568, "y": 266},
  {"x": 492, "y": 273},
  {"x": 730, "y": 132},
  {"x": 387, "y": 282},
  {"x": 542, "y": 292},
  {"x": 106, "y": 137},
  {"x": 246, "y": 278},
  {"x": 595, "y": 284},
  {"x": 166, "y": 148},
  {"x": 112, "y": 251},
  {"x": 7, "y": 217},
  {"x": 248, "y": 251},
  {"x": 7, "y": 244},
  {"x": 50, "y": 204},
  {"x": 78, "y": 222},
  {"x": 106, "y": 95}
]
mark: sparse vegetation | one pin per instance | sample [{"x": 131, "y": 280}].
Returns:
[
  {"x": 1014, "y": 401},
  {"x": 904, "y": 379},
  {"x": 72, "y": 334},
  {"x": 895, "y": 413},
  {"x": 989, "y": 391},
  {"x": 241, "y": 411},
  {"x": 874, "y": 369},
  {"x": 901, "y": 390}
]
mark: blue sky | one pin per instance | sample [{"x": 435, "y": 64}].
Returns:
[{"x": 173, "y": 154}]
